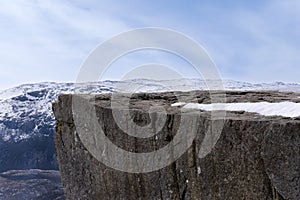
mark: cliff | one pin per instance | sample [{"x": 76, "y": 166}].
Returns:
[{"x": 256, "y": 157}]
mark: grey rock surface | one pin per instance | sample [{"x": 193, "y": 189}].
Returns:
[{"x": 256, "y": 157}]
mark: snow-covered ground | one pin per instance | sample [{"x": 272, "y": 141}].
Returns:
[{"x": 285, "y": 109}]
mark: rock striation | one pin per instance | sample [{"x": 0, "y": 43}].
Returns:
[{"x": 256, "y": 157}]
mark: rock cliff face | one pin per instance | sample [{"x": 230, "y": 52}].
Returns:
[{"x": 256, "y": 157}]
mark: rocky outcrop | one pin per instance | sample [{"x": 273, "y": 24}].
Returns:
[{"x": 256, "y": 157}]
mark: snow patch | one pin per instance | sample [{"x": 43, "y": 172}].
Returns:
[
  {"x": 5, "y": 138},
  {"x": 285, "y": 109},
  {"x": 198, "y": 170},
  {"x": 8, "y": 94},
  {"x": 178, "y": 104}
]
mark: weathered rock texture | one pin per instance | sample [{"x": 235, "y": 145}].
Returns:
[{"x": 256, "y": 157}]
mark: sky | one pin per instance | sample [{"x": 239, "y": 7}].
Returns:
[{"x": 253, "y": 41}]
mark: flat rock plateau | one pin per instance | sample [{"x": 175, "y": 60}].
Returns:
[{"x": 255, "y": 157}]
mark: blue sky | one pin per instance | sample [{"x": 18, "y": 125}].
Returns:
[{"x": 255, "y": 41}]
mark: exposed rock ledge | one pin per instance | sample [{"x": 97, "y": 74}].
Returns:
[{"x": 256, "y": 157}]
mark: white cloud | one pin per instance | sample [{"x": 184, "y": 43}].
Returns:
[
  {"x": 44, "y": 40},
  {"x": 257, "y": 43},
  {"x": 48, "y": 40}
]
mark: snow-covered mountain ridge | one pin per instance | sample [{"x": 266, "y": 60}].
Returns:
[
  {"x": 27, "y": 123},
  {"x": 26, "y": 110}
]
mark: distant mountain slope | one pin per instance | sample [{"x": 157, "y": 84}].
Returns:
[
  {"x": 27, "y": 123},
  {"x": 31, "y": 184}
]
